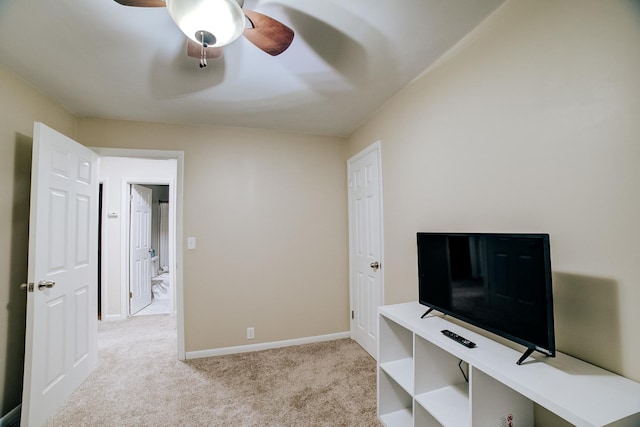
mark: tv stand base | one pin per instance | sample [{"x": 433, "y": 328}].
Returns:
[
  {"x": 426, "y": 312},
  {"x": 526, "y": 354}
]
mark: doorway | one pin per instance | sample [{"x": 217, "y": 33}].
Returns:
[
  {"x": 160, "y": 295},
  {"x": 119, "y": 169}
]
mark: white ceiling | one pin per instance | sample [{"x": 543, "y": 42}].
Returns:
[{"x": 100, "y": 59}]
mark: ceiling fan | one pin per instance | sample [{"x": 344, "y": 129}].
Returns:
[{"x": 212, "y": 24}]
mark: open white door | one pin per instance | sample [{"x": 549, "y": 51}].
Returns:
[
  {"x": 365, "y": 246},
  {"x": 61, "y": 332},
  {"x": 140, "y": 249}
]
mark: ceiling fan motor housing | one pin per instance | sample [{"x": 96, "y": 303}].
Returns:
[{"x": 205, "y": 38}]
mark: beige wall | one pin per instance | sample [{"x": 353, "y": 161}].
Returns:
[
  {"x": 20, "y": 106},
  {"x": 269, "y": 211},
  {"x": 530, "y": 125}
]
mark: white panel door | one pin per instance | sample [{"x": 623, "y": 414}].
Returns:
[
  {"x": 140, "y": 249},
  {"x": 365, "y": 246},
  {"x": 61, "y": 330}
]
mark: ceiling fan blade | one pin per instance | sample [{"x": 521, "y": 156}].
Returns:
[
  {"x": 194, "y": 50},
  {"x": 142, "y": 3},
  {"x": 268, "y": 34}
]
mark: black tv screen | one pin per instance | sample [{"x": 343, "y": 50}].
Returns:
[{"x": 497, "y": 282}]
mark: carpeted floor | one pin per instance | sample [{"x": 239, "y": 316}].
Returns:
[{"x": 140, "y": 382}]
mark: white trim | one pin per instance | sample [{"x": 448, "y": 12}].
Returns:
[
  {"x": 177, "y": 190},
  {"x": 125, "y": 265},
  {"x": 12, "y": 418},
  {"x": 265, "y": 346}
]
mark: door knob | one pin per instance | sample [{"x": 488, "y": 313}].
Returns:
[
  {"x": 46, "y": 284},
  {"x": 375, "y": 265}
]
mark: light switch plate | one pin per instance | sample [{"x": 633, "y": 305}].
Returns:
[{"x": 191, "y": 242}]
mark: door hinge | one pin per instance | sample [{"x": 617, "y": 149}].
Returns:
[
  {"x": 130, "y": 294},
  {"x": 352, "y": 315},
  {"x": 350, "y": 184}
]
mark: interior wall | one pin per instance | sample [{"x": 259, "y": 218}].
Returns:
[
  {"x": 529, "y": 125},
  {"x": 20, "y": 105},
  {"x": 269, "y": 212},
  {"x": 114, "y": 171}
]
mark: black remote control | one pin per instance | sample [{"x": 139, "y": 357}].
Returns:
[{"x": 462, "y": 340}]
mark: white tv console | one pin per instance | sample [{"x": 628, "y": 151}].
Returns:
[{"x": 420, "y": 382}]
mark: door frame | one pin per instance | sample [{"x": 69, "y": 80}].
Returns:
[
  {"x": 175, "y": 194},
  {"x": 375, "y": 147}
]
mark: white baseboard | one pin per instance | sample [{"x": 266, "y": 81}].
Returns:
[
  {"x": 12, "y": 418},
  {"x": 264, "y": 346},
  {"x": 112, "y": 317}
]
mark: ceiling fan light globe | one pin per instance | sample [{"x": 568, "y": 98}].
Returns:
[{"x": 222, "y": 18}]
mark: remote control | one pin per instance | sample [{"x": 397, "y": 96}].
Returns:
[{"x": 462, "y": 340}]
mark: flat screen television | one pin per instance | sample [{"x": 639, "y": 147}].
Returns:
[{"x": 498, "y": 282}]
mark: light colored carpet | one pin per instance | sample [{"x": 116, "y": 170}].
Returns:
[
  {"x": 157, "y": 306},
  {"x": 140, "y": 382}
]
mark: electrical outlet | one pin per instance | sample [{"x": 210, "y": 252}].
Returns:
[{"x": 251, "y": 333}]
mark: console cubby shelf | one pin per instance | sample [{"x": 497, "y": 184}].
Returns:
[
  {"x": 421, "y": 384},
  {"x": 449, "y": 405}
]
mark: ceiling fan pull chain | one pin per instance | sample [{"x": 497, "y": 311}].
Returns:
[{"x": 203, "y": 51}]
